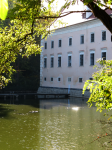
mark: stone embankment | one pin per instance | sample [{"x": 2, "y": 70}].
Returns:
[{"x": 54, "y": 90}]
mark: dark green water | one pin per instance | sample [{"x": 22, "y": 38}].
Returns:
[{"x": 58, "y": 125}]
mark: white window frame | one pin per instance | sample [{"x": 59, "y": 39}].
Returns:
[
  {"x": 80, "y": 38},
  {"x": 84, "y": 15},
  {"x": 90, "y": 37},
  {"x": 69, "y": 41},
  {"x": 44, "y": 45},
  {"x": 102, "y": 36},
  {"x": 53, "y": 61},
  {"x": 81, "y": 53},
  {"x": 61, "y": 43},
  {"x": 71, "y": 60},
  {"x": 104, "y": 50},
  {"x": 46, "y": 61},
  {"x": 90, "y": 78},
  {"x": 61, "y": 60},
  {"x": 52, "y": 78},
  {"x": 92, "y": 52},
  {"x": 70, "y": 79},
  {"x": 59, "y": 78},
  {"x": 81, "y": 78},
  {"x": 51, "y": 44},
  {"x": 45, "y": 78}
]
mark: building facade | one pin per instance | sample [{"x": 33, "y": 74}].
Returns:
[{"x": 69, "y": 54}]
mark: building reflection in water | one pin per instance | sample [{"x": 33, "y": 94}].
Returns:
[{"x": 68, "y": 124}]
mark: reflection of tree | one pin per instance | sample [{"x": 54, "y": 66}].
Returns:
[
  {"x": 4, "y": 111},
  {"x": 66, "y": 128}
]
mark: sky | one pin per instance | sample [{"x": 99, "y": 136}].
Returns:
[{"x": 74, "y": 17}]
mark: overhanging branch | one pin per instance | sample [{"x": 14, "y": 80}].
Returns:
[
  {"x": 103, "y": 5},
  {"x": 31, "y": 33},
  {"x": 101, "y": 15},
  {"x": 61, "y": 15}
]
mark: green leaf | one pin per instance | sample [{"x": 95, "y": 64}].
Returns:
[{"x": 3, "y": 9}]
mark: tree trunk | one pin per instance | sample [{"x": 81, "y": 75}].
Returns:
[{"x": 102, "y": 15}]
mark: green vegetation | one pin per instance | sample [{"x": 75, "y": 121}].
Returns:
[
  {"x": 3, "y": 9},
  {"x": 30, "y": 19},
  {"x": 101, "y": 86},
  {"x": 27, "y": 75},
  {"x": 19, "y": 37}
]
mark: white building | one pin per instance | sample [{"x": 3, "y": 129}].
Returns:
[{"x": 69, "y": 54}]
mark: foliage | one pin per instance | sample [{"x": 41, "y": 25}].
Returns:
[
  {"x": 29, "y": 19},
  {"x": 101, "y": 86},
  {"x": 18, "y": 38},
  {"x": 27, "y": 75},
  {"x": 3, "y": 9}
]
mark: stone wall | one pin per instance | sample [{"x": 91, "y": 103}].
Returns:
[{"x": 55, "y": 90}]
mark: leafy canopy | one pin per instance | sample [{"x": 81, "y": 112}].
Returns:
[
  {"x": 3, "y": 9},
  {"x": 28, "y": 19},
  {"x": 101, "y": 86}
]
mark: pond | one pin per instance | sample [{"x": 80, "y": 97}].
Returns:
[{"x": 57, "y": 124}]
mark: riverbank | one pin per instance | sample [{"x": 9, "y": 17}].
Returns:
[{"x": 55, "y": 90}]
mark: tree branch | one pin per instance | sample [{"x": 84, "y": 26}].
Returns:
[
  {"x": 103, "y": 5},
  {"x": 60, "y": 16},
  {"x": 24, "y": 38},
  {"x": 102, "y": 15}
]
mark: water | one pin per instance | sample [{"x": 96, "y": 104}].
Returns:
[{"x": 58, "y": 125}]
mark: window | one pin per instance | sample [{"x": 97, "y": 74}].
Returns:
[
  {"x": 52, "y": 79},
  {"x": 60, "y": 43},
  {"x": 82, "y": 39},
  {"x": 59, "y": 61},
  {"x": 92, "y": 59},
  {"x": 45, "y": 45},
  {"x": 45, "y": 79},
  {"x": 90, "y": 78},
  {"x": 69, "y": 60},
  {"x": 52, "y": 44},
  {"x": 80, "y": 79},
  {"x": 92, "y": 37},
  {"x": 59, "y": 79},
  {"x": 103, "y": 35},
  {"x": 52, "y": 62},
  {"x": 83, "y": 15},
  {"x": 45, "y": 62},
  {"x": 103, "y": 55},
  {"x": 69, "y": 79},
  {"x": 81, "y": 63},
  {"x": 92, "y": 54},
  {"x": 70, "y": 41}
]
